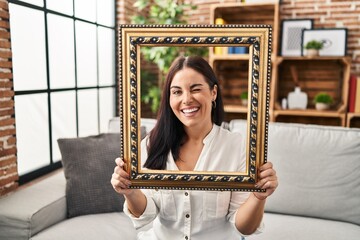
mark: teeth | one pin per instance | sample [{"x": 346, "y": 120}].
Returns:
[{"x": 190, "y": 110}]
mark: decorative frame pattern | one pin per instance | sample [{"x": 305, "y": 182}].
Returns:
[{"x": 257, "y": 38}]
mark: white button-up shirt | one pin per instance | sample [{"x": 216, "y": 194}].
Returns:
[{"x": 197, "y": 215}]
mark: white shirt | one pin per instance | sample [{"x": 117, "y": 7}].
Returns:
[{"x": 197, "y": 215}]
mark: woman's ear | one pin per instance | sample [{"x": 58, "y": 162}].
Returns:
[{"x": 214, "y": 92}]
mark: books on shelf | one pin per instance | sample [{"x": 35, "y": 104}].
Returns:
[{"x": 354, "y": 94}]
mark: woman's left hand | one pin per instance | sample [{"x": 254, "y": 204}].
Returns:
[{"x": 267, "y": 181}]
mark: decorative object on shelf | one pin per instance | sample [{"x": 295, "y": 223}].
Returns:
[
  {"x": 238, "y": 50},
  {"x": 284, "y": 103},
  {"x": 322, "y": 101},
  {"x": 291, "y": 35},
  {"x": 352, "y": 93},
  {"x": 244, "y": 98},
  {"x": 333, "y": 39},
  {"x": 312, "y": 48},
  {"x": 296, "y": 99},
  {"x": 220, "y": 50}
]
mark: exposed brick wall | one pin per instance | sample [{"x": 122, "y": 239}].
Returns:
[
  {"x": 125, "y": 10},
  {"x": 8, "y": 166}
]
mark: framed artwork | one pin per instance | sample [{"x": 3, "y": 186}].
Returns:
[
  {"x": 132, "y": 38},
  {"x": 291, "y": 35},
  {"x": 334, "y": 40}
]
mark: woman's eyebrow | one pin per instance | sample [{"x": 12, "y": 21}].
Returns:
[
  {"x": 191, "y": 86},
  {"x": 196, "y": 85},
  {"x": 175, "y": 87}
]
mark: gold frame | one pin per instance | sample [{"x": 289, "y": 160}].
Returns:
[{"x": 257, "y": 38}]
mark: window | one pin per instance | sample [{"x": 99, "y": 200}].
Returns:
[{"x": 64, "y": 76}]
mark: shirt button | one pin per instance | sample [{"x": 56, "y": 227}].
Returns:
[
  {"x": 187, "y": 215},
  {"x": 186, "y": 237},
  {"x": 186, "y": 193}
]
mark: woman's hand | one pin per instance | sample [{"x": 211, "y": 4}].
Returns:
[
  {"x": 120, "y": 178},
  {"x": 267, "y": 181},
  {"x": 136, "y": 200}
]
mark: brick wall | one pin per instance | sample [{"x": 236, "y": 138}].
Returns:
[{"x": 8, "y": 167}]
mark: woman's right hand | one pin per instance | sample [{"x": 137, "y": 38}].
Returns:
[{"x": 120, "y": 178}]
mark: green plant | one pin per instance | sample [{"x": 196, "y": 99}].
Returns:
[
  {"x": 313, "y": 44},
  {"x": 244, "y": 95},
  {"x": 150, "y": 92},
  {"x": 163, "y": 12},
  {"x": 323, "y": 98}
]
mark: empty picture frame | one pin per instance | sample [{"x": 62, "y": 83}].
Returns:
[
  {"x": 132, "y": 38},
  {"x": 291, "y": 35},
  {"x": 334, "y": 40}
]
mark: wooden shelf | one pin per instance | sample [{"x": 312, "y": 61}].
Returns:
[
  {"x": 308, "y": 113},
  {"x": 304, "y": 58},
  {"x": 216, "y": 57},
  {"x": 235, "y": 108},
  {"x": 313, "y": 75},
  {"x": 353, "y": 120}
]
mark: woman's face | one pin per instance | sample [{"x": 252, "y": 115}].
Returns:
[{"x": 191, "y": 98}]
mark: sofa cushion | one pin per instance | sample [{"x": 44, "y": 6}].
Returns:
[
  {"x": 88, "y": 165},
  {"x": 91, "y": 227},
  {"x": 32, "y": 209},
  {"x": 278, "y": 226},
  {"x": 147, "y": 124},
  {"x": 318, "y": 170}
]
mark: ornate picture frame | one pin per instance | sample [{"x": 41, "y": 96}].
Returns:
[
  {"x": 333, "y": 39},
  {"x": 257, "y": 38}
]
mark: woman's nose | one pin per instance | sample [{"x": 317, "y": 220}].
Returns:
[{"x": 187, "y": 97}]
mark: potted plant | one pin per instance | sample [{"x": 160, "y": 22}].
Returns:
[
  {"x": 312, "y": 48},
  {"x": 322, "y": 101},
  {"x": 244, "y": 98}
]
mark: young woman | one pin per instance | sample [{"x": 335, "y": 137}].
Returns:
[{"x": 188, "y": 137}]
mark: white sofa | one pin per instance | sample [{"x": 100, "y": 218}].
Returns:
[{"x": 318, "y": 196}]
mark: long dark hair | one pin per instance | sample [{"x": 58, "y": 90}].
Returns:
[{"x": 168, "y": 132}]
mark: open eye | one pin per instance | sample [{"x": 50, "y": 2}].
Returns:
[{"x": 176, "y": 92}]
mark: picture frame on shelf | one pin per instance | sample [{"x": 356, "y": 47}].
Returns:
[
  {"x": 134, "y": 37},
  {"x": 334, "y": 41},
  {"x": 291, "y": 35}
]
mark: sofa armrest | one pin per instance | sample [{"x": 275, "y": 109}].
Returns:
[{"x": 34, "y": 208}]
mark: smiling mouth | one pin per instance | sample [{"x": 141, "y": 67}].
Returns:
[{"x": 190, "y": 111}]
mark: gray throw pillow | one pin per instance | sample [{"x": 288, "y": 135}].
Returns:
[{"x": 88, "y": 165}]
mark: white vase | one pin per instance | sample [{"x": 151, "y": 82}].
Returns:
[
  {"x": 297, "y": 99},
  {"x": 322, "y": 106},
  {"x": 312, "y": 52},
  {"x": 244, "y": 102}
]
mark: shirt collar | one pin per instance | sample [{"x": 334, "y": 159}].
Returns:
[{"x": 211, "y": 134}]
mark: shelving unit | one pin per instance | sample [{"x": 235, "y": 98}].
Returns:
[
  {"x": 232, "y": 69},
  {"x": 313, "y": 75},
  {"x": 353, "y": 120}
]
